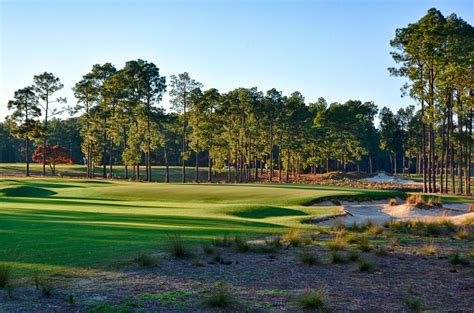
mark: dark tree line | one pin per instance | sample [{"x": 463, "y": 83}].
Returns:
[{"x": 251, "y": 134}]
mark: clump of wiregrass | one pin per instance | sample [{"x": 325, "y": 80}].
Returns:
[
  {"x": 363, "y": 244},
  {"x": 177, "y": 247},
  {"x": 307, "y": 258},
  {"x": 365, "y": 266},
  {"x": 336, "y": 257},
  {"x": 220, "y": 297},
  {"x": 5, "y": 275},
  {"x": 434, "y": 202},
  {"x": 337, "y": 243},
  {"x": 429, "y": 248},
  {"x": 381, "y": 251},
  {"x": 144, "y": 260},
  {"x": 225, "y": 241},
  {"x": 374, "y": 230},
  {"x": 392, "y": 201},
  {"x": 411, "y": 199},
  {"x": 393, "y": 242},
  {"x": 413, "y": 303},
  {"x": 46, "y": 287},
  {"x": 240, "y": 244},
  {"x": 463, "y": 233},
  {"x": 274, "y": 241},
  {"x": 208, "y": 249},
  {"x": 71, "y": 299},
  {"x": 457, "y": 259},
  {"x": 353, "y": 256},
  {"x": 293, "y": 237},
  {"x": 311, "y": 299},
  {"x": 198, "y": 262}
]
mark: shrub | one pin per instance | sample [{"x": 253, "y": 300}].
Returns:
[
  {"x": 353, "y": 256},
  {"x": 411, "y": 199},
  {"x": 176, "y": 246},
  {"x": 314, "y": 300},
  {"x": 462, "y": 234},
  {"x": 365, "y": 266},
  {"x": 392, "y": 201},
  {"x": 457, "y": 259},
  {"x": 307, "y": 258},
  {"x": 220, "y": 298},
  {"x": 413, "y": 304},
  {"x": 336, "y": 244},
  {"x": 364, "y": 245},
  {"x": 5, "y": 275},
  {"x": 293, "y": 237},
  {"x": 144, "y": 260},
  {"x": 240, "y": 244},
  {"x": 394, "y": 242},
  {"x": 430, "y": 248},
  {"x": 336, "y": 257},
  {"x": 434, "y": 201}
]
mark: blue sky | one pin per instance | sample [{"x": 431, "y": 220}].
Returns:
[{"x": 338, "y": 50}]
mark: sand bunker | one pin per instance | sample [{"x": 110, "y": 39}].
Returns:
[
  {"x": 380, "y": 212},
  {"x": 384, "y": 178}
]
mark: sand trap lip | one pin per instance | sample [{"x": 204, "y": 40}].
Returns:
[
  {"x": 380, "y": 212},
  {"x": 384, "y": 178}
]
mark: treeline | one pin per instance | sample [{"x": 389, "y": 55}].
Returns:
[
  {"x": 436, "y": 55},
  {"x": 251, "y": 134}
]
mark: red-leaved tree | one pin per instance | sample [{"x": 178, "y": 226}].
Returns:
[{"x": 54, "y": 155}]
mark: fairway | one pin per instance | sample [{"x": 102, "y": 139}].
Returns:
[{"x": 50, "y": 225}]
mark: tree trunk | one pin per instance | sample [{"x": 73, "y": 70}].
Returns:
[
  {"x": 27, "y": 159},
  {"x": 167, "y": 173},
  {"x": 196, "y": 175},
  {"x": 287, "y": 165}
]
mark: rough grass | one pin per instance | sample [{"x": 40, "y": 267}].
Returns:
[{"x": 317, "y": 300}]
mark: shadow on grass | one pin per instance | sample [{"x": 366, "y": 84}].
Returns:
[{"x": 261, "y": 213}]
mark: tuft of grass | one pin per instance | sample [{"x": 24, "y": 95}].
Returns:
[
  {"x": 46, "y": 287},
  {"x": 144, "y": 260},
  {"x": 275, "y": 242},
  {"x": 314, "y": 300},
  {"x": 220, "y": 298},
  {"x": 462, "y": 234},
  {"x": 470, "y": 207},
  {"x": 430, "y": 249},
  {"x": 457, "y": 259},
  {"x": 355, "y": 227},
  {"x": 375, "y": 230},
  {"x": 223, "y": 242},
  {"x": 308, "y": 241},
  {"x": 241, "y": 244},
  {"x": 176, "y": 246},
  {"x": 208, "y": 249},
  {"x": 413, "y": 304},
  {"x": 5, "y": 275},
  {"x": 381, "y": 251},
  {"x": 364, "y": 245},
  {"x": 218, "y": 257},
  {"x": 434, "y": 201},
  {"x": 71, "y": 299},
  {"x": 9, "y": 289},
  {"x": 353, "y": 256},
  {"x": 307, "y": 258},
  {"x": 336, "y": 257},
  {"x": 263, "y": 248},
  {"x": 419, "y": 201},
  {"x": 411, "y": 199},
  {"x": 337, "y": 244},
  {"x": 293, "y": 237},
  {"x": 198, "y": 262},
  {"x": 433, "y": 229},
  {"x": 365, "y": 266},
  {"x": 392, "y": 202}
]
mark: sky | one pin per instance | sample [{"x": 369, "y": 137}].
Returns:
[{"x": 338, "y": 50}]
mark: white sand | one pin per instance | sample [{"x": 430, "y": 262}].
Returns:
[
  {"x": 380, "y": 212},
  {"x": 384, "y": 178}
]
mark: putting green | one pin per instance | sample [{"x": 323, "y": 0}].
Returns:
[{"x": 61, "y": 224}]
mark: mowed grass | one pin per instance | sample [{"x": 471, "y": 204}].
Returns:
[{"x": 55, "y": 224}]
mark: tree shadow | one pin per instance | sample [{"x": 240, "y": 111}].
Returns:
[{"x": 261, "y": 213}]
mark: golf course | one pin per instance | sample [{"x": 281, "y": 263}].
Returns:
[{"x": 56, "y": 224}]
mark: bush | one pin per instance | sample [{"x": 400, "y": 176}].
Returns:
[
  {"x": 462, "y": 234},
  {"x": 411, "y": 199},
  {"x": 307, "y": 258},
  {"x": 293, "y": 237},
  {"x": 375, "y": 230},
  {"x": 220, "y": 298},
  {"x": 46, "y": 287},
  {"x": 176, "y": 246},
  {"x": 457, "y": 259},
  {"x": 364, "y": 245},
  {"x": 365, "y": 266},
  {"x": 144, "y": 260},
  {"x": 336, "y": 244},
  {"x": 241, "y": 245},
  {"x": 314, "y": 300},
  {"x": 429, "y": 248},
  {"x": 224, "y": 242},
  {"x": 5, "y": 275}
]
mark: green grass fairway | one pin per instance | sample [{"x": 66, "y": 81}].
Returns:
[{"x": 56, "y": 224}]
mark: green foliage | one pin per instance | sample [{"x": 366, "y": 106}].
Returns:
[
  {"x": 176, "y": 246},
  {"x": 5, "y": 275},
  {"x": 220, "y": 298},
  {"x": 365, "y": 266},
  {"x": 314, "y": 300},
  {"x": 307, "y": 258},
  {"x": 145, "y": 260},
  {"x": 457, "y": 259}
]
